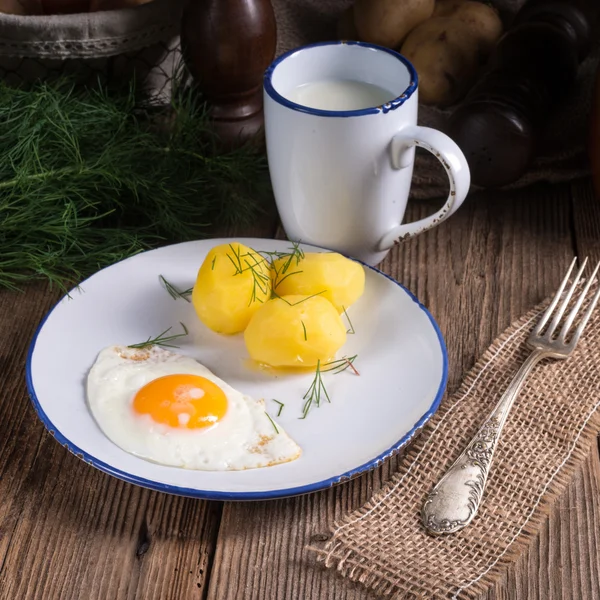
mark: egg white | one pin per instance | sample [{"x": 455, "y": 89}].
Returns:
[{"x": 245, "y": 438}]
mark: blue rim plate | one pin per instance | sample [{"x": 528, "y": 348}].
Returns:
[{"x": 402, "y": 361}]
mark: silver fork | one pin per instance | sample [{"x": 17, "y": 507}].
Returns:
[{"x": 454, "y": 501}]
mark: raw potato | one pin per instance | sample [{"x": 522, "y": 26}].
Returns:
[
  {"x": 331, "y": 275},
  {"x": 447, "y": 51},
  {"x": 388, "y": 22},
  {"x": 482, "y": 20},
  {"x": 295, "y": 331},
  {"x": 226, "y": 296}
]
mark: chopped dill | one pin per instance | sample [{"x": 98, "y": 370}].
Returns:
[
  {"x": 351, "y": 330},
  {"x": 317, "y": 390},
  {"x": 162, "y": 339},
  {"x": 255, "y": 263},
  {"x": 281, "y": 405},
  {"x": 315, "y": 393},
  {"x": 299, "y": 301},
  {"x": 337, "y": 366},
  {"x": 304, "y": 328},
  {"x": 272, "y": 422},
  {"x": 174, "y": 292},
  {"x": 296, "y": 254}
]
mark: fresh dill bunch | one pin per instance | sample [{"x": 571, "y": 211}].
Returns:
[{"x": 89, "y": 177}]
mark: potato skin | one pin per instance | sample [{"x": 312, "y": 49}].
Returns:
[
  {"x": 480, "y": 20},
  {"x": 447, "y": 51},
  {"x": 331, "y": 275},
  {"x": 444, "y": 60},
  {"x": 224, "y": 298},
  {"x": 388, "y": 22},
  {"x": 295, "y": 331}
]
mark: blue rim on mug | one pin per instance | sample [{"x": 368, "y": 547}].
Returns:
[{"x": 385, "y": 108}]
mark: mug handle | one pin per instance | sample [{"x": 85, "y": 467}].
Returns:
[{"x": 453, "y": 161}]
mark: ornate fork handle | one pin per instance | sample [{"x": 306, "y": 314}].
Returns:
[{"x": 454, "y": 501}]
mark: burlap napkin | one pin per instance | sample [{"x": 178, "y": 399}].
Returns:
[{"x": 547, "y": 435}]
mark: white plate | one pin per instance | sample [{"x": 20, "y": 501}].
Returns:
[{"x": 402, "y": 362}]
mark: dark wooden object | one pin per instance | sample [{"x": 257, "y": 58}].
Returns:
[
  {"x": 594, "y": 136},
  {"x": 532, "y": 70},
  {"x": 227, "y": 45}
]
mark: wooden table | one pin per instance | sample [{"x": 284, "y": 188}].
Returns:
[{"x": 68, "y": 531}]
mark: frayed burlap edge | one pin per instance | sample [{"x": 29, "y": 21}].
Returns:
[{"x": 349, "y": 564}]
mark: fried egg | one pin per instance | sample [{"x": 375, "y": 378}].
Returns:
[{"x": 168, "y": 408}]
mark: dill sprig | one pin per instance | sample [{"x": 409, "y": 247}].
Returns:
[
  {"x": 315, "y": 393},
  {"x": 89, "y": 177},
  {"x": 272, "y": 422},
  {"x": 174, "y": 292},
  {"x": 255, "y": 263},
  {"x": 351, "y": 329},
  {"x": 281, "y": 405},
  {"x": 275, "y": 295},
  {"x": 317, "y": 390},
  {"x": 162, "y": 339},
  {"x": 295, "y": 255},
  {"x": 337, "y": 366},
  {"x": 295, "y": 252}
]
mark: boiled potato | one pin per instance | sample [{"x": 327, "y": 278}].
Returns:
[
  {"x": 388, "y": 22},
  {"x": 331, "y": 275},
  {"x": 295, "y": 331},
  {"x": 232, "y": 284}
]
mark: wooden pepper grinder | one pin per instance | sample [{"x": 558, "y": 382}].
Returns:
[{"x": 227, "y": 45}]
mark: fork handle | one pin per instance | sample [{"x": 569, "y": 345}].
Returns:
[{"x": 454, "y": 501}]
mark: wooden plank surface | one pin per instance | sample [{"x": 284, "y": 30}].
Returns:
[
  {"x": 497, "y": 257},
  {"x": 69, "y": 531}
]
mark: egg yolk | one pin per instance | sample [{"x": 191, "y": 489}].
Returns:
[{"x": 182, "y": 401}]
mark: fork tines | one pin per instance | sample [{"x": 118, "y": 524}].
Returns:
[{"x": 565, "y": 298}]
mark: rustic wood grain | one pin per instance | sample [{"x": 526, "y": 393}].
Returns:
[
  {"x": 497, "y": 257},
  {"x": 68, "y": 531}
]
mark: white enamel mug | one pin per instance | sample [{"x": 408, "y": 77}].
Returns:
[{"x": 341, "y": 179}]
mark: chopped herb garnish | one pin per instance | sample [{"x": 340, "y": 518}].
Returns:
[
  {"x": 337, "y": 366},
  {"x": 281, "y": 405},
  {"x": 253, "y": 262},
  {"x": 317, "y": 389},
  {"x": 351, "y": 330},
  {"x": 315, "y": 392},
  {"x": 295, "y": 255},
  {"x": 304, "y": 327},
  {"x": 162, "y": 339},
  {"x": 212, "y": 266},
  {"x": 299, "y": 301},
  {"x": 174, "y": 292},
  {"x": 272, "y": 422}
]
